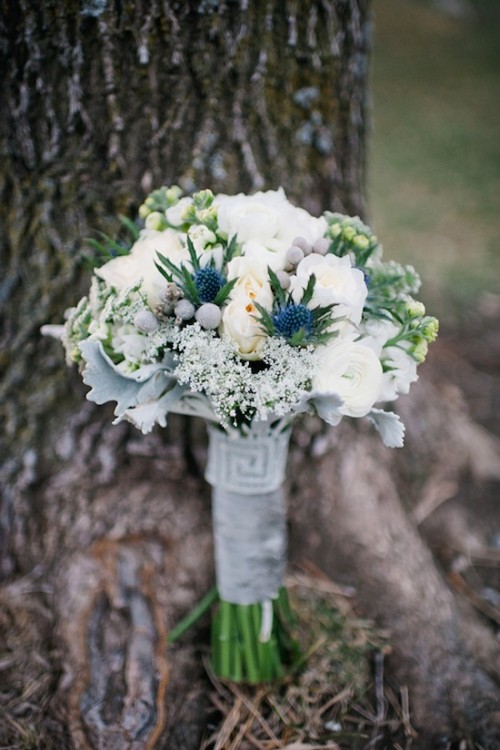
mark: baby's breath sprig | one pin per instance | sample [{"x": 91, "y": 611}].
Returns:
[{"x": 295, "y": 322}]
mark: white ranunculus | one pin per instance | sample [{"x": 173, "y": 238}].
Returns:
[
  {"x": 350, "y": 370},
  {"x": 140, "y": 263},
  {"x": 337, "y": 282},
  {"x": 402, "y": 368},
  {"x": 268, "y": 218},
  {"x": 241, "y": 326}
]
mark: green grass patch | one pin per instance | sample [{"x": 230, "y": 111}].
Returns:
[{"x": 434, "y": 169}]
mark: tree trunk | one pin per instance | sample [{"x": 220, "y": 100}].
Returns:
[{"x": 106, "y": 534}]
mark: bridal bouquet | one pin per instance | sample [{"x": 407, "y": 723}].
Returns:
[{"x": 246, "y": 311}]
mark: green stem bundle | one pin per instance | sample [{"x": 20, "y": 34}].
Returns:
[{"x": 243, "y": 652}]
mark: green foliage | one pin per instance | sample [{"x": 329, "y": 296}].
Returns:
[
  {"x": 160, "y": 200},
  {"x": 349, "y": 235},
  {"x": 231, "y": 249},
  {"x": 224, "y": 292},
  {"x": 185, "y": 279},
  {"x": 387, "y": 284},
  {"x": 321, "y": 319},
  {"x": 106, "y": 248}
]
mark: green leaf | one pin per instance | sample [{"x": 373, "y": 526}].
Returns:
[
  {"x": 309, "y": 290},
  {"x": 298, "y": 338},
  {"x": 131, "y": 226},
  {"x": 164, "y": 273},
  {"x": 224, "y": 292},
  {"x": 189, "y": 287},
  {"x": 322, "y": 311},
  {"x": 278, "y": 291},
  {"x": 192, "y": 254},
  {"x": 111, "y": 243},
  {"x": 265, "y": 319},
  {"x": 170, "y": 266},
  {"x": 230, "y": 250}
]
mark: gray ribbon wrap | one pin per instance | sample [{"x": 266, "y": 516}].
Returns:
[{"x": 248, "y": 510}]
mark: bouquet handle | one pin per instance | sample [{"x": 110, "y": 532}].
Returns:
[{"x": 252, "y": 630}]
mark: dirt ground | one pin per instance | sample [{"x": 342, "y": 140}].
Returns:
[{"x": 345, "y": 698}]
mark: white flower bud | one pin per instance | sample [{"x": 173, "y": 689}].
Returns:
[
  {"x": 294, "y": 255},
  {"x": 284, "y": 279},
  {"x": 208, "y": 315},
  {"x": 361, "y": 242},
  {"x": 146, "y": 322},
  {"x": 184, "y": 309},
  {"x": 303, "y": 244},
  {"x": 419, "y": 351},
  {"x": 207, "y": 215},
  {"x": 154, "y": 221},
  {"x": 321, "y": 246},
  {"x": 173, "y": 194},
  {"x": 334, "y": 230},
  {"x": 415, "y": 308}
]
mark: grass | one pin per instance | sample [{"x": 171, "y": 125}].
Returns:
[
  {"x": 338, "y": 700},
  {"x": 434, "y": 169}
]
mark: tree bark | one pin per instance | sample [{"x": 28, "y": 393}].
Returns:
[{"x": 108, "y": 532}]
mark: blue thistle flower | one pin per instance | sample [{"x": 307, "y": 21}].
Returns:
[
  {"x": 291, "y": 319},
  {"x": 208, "y": 282}
]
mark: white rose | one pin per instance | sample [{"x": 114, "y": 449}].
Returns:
[
  {"x": 246, "y": 217},
  {"x": 337, "y": 282},
  {"x": 240, "y": 325},
  {"x": 402, "y": 370},
  {"x": 351, "y": 371},
  {"x": 239, "y": 320},
  {"x": 293, "y": 222},
  {"x": 268, "y": 218},
  {"x": 140, "y": 263},
  {"x": 252, "y": 273}
]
